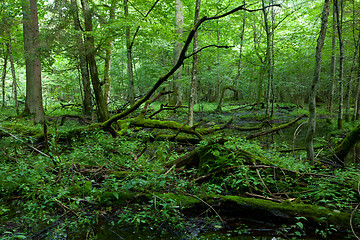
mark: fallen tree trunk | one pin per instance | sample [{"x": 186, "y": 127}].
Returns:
[
  {"x": 150, "y": 123},
  {"x": 275, "y": 129},
  {"x": 342, "y": 150}
]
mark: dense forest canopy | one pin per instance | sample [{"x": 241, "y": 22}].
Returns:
[{"x": 294, "y": 26}]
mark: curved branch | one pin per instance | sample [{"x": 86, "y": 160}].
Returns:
[{"x": 213, "y": 45}]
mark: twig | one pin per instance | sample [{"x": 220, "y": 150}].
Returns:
[
  {"x": 351, "y": 223},
  {"x": 212, "y": 45},
  {"x": 263, "y": 197},
  {"x": 258, "y": 173},
  {"x": 296, "y": 132},
  {"x": 206, "y": 205}
]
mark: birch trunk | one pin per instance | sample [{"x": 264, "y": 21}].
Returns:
[{"x": 194, "y": 68}]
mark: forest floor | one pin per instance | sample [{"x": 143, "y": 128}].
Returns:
[{"x": 95, "y": 186}]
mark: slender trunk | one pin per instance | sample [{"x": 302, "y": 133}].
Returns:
[
  {"x": 103, "y": 112},
  {"x": 3, "y": 78},
  {"x": 108, "y": 57},
  {"x": 339, "y": 17},
  {"x": 315, "y": 83},
  {"x": 84, "y": 69},
  {"x": 218, "y": 89},
  {"x": 268, "y": 61},
  {"x": 194, "y": 68},
  {"x": 130, "y": 70},
  {"x": 33, "y": 101},
  {"x": 333, "y": 62},
  {"x": 179, "y": 22},
  {"x": 239, "y": 67},
  {"x": 9, "y": 50},
  {"x": 357, "y": 96}
]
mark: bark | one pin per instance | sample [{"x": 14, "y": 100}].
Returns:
[
  {"x": 33, "y": 101},
  {"x": 130, "y": 70},
  {"x": 108, "y": 57},
  {"x": 103, "y": 112},
  {"x": 342, "y": 150},
  {"x": 315, "y": 83},
  {"x": 333, "y": 62},
  {"x": 85, "y": 78},
  {"x": 357, "y": 97},
  {"x": 12, "y": 66},
  {"x": 194, "y": 68},
  {"x": 268, "y": 59},
  {"x": 239, "y": 67},
  {"x": 339, "y": 17},
  {"x": 179, "y": 22},
  {"x": 3, "y": 78}
]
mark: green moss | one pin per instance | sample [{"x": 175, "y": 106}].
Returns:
[{"x": 315, "y": 213}]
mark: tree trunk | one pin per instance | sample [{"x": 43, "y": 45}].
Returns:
[
  {"x": 108, "y": 56},
  {"x": 85, "y": 78},
  {"x": 339, "y": 17},
  {"x": 3, "y": 78},
  {"x": 357, "y": 96},
  {"x": 33, "y": 101},
  {"x": 130, "y": 70},
  {"x": 194, "y": 68},
  {"x": 268, "y": 60},
  {"x": 239, "y": 67},
  {"x": 333, "y": 62},
  {"x": 179, "y": 22},
  {"x": 103, "y": 112},
  {"x": 9, "y": 50},
  {"x": 315, "y": 83}
]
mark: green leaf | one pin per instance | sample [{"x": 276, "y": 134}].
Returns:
[
  {"x": 300, "y": 225},
  {"x": 116, "y": 194}
]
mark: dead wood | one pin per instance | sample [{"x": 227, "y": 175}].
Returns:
[{"x": 275, "y": 129}]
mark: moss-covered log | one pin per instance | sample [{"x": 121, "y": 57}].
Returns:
[
  {"x": 275, "y": 129},
  {"x": 342, "y": 150},
  {"x": 149, "y": 123}
]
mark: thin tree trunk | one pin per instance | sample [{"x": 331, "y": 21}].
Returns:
[
  {"x": 315, "y": 83},
  {"x": 130, "y": 70},
  {"x": 357, "y": 96},
  {"x": 179, "y": 22},
  {"x": 103, "y": 112},
  {"x": 84, "y": 69},
  {"x": 333, "y": 62},
  {"x": 3, "y": 78},
  {"x": 268, "y": 61},
  {"x": 236, "y": 80},
  {"x": 9, "y": 50},
  {"x": 194, "y": 68},
  {"x": 339, "y": 17}
]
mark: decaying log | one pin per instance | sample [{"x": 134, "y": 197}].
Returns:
[
  {"x": 342, "y": 150},
  {"x": 149, "y": 123},
  {"x": 275, "y": 129}
]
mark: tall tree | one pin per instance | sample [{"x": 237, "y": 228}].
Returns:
[
  {"x": 130, "y": 70},
  {"x": 108, "y": 55},
  {"x": 315, "y": 83},
  {"x": 333, "y": 60},
  {"x": 83, "y": 64},
  {"x": 179, "y": 22},
  {"x": 103, "y": 112},
  {"x": 3, "y": 77},
  {"x": 194, "y": 67},
  {"x": 33, "y": 101},
  {"x": 339, "y": 19},
  {"x": 268, "y": 56},
  {"x": 12, "y": 67}
]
